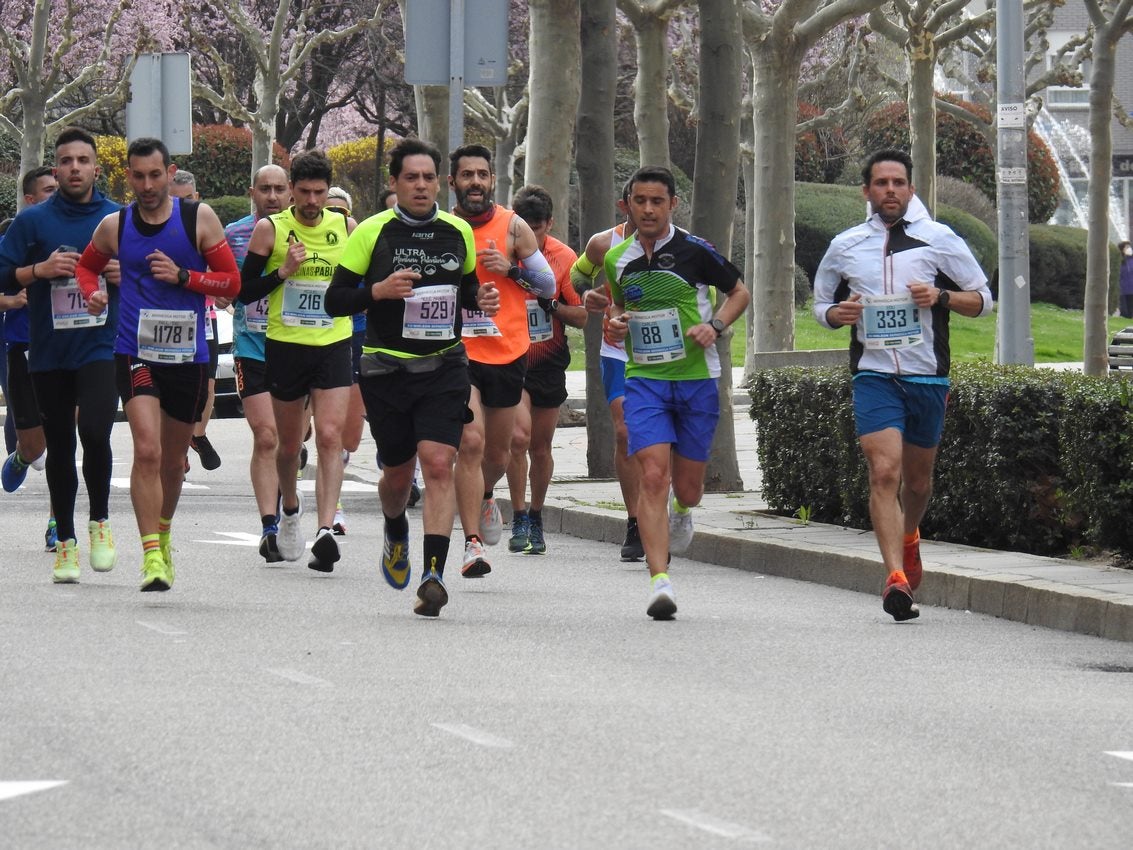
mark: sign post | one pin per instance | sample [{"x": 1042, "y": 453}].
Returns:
[{"x": 160, "y": 104}]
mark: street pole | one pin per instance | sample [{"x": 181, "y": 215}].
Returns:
[
  {"x": 1014, "y": 343},
  {"x": 455, "y": 82}
]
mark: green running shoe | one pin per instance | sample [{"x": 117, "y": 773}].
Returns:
[
  {"x": 103, "y": 555},
  {"x": 66, "y": 569},
  {"x": 155, "y": 576}
]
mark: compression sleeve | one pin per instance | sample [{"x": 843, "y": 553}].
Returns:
[
  {"x": 222, "y": 280},
  {"x": 536, "y": 273},
  {"x": 344, "y": 296},
  {"x": 253, "y": 287},
  {"x": 90, "y": 266},
  {"x": 582, "y": 273},
  {"x": 469, "y": 287}
]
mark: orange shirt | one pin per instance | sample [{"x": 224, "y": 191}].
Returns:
[{"x": 512, "y": 341}]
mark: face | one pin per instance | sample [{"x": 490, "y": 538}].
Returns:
[
  {"x": 541, "y": 229},
  {"x": 1128, "y": 251},
  {"x": 149, "y": 179},
  {"x": 889, "y": 190},
  {"x": 271, "y": 194},
  {"x": 45, "y": 187},
  {"x": 184, "y": 190},
  {"x": 309, "y": 197},
  {"x": 76, "y": 169},
  {"x": 473, "y": 184},
  {"x": 651, "y": 208},
  {"x": 417, "y": 184}
]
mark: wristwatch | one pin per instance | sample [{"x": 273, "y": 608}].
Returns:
[
  {"x": 718, "y": 326},
  {"x": 943, "y": 298},
  {"x": 553, "y": 306},
  {"x": 513, "y": 272},
  {"x": 182, "y": 276}
]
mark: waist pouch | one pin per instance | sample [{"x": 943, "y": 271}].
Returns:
[{"x": 379, "y": 363}]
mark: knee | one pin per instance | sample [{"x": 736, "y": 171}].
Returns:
[
  {"x": 472, "y": 442},
  {"x": 265, "y": 439},
  {"x": 654, "y": 479}
]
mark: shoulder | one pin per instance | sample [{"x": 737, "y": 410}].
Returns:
[
  {"x": 456, "y": 222},
  {"x": 241, "y": 224}
]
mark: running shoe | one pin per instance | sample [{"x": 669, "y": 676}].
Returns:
[
  {"x": 474, "y": 564},
  {"x": 414, "y": 494},
  {"x": 51, "y": 536},
  {"x": 209, "y": 458},
  {"x": 290, "y": 540},
  {"x": 680, "y": 527},
  {"x": 345, "y": 458},
  {"x": 14, "y": 472},
  {"x": 395, "y": 562},
  {"x": 491, "y": 522},
  {"x": 302, "y": 458},
  {"x": 103, "y": 555},
  {"x": 536, "y": 544},
  {"x": 431, "y": 596},
  {"x": 914, "y": 571},
  {"x": 897, "y": 598},
  {"x": 167, "y": 555},
  {"x": 632, "y": 550},
  {"x": 155, "y": 576},
  {"x": 66, "y": 569},
  {"x": 324, "y": 552},
  {"x": 662, "y": 603},
  {"x": 269, "y": 545},
  {"x": 339, "y": 525},
  {"x": 520, "y": 532},
  {"x": 40, "y": 463}
]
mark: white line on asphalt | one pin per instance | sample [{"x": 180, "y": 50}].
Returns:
[
  {"x": 476, "y": 736},
  {"x": 1120, "y": 754},
  {"x": 708, "y": 823},
  {"x": 124, "y": 484},
  {"x": 161, "y": 628},
  {"x": 1121, "y": 784},
  {"x": 239, "y": 538},
  {"x": 15, "y": 789},
  {"x": 298, "y": 677}
]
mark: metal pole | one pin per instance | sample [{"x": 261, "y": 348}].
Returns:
[
  {"x": 1014, "y": 343},
  {"x": 456, "y": 82}
]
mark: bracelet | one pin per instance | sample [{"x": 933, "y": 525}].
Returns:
[{"x": 34, "y": 276}]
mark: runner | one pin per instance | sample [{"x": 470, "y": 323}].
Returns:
[
  {"x": 662, "y": 276},
  {"x": 509, "y": 257},
  {"x": 70, "y": 354},
  {"x": 544, "y": 385},
  {"x": 173, "y": 254},
  {"x": 418, "y": 266},
  {"x": 270, "y": 194},
  {"x": 307, "y": 351}
]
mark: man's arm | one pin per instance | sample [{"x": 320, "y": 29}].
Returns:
[
  {"x": 531, "y": 271},
  {"x": 102, "y": 249},
  {"x": 254, "y": 285}
]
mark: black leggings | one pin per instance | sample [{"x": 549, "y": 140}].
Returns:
[{"x": 92, "y": 389}]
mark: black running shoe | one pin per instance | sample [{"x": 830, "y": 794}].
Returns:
[
  {"x": 414, "y": 494},
  {"x": 897, "y": 599},
  {"x": 632, "y": 550},
  {"x": 269, "y": 545},
  {"x": 324, "y": 552},
  {"x": 209, "y": 458}
]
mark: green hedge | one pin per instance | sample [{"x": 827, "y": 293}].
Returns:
[
  {"x": 1058, "y": 266},
  {"x": 9, "y": 186},
  {"x": 229, "y": 208},
  {"x": 1031, "y": 460}
]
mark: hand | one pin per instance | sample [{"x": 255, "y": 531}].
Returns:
[
  {"x": 847, "y": 312},
  {"x": 597, "y": 300},
  {"x": 14, "y": 302},
  {"x": 617, "y": 327},
  {"x": 97, "y": 302},
  {"x": 703, "y": 334},
  {"x": 397, "y": 285},
  {"x": 58, "y": 264},
  {"x": 492, "y": 260},
  {"x": 113, "y": 272},
  {"x": 296, "y": 256},
  {"x": 924, "y": 294},
  {"x": 488, "y": 299},
  {"x": 162, "y": 268},
  {"x": 222, "y": 303}
]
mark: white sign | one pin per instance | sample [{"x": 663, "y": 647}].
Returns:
[
  {"x": 1012, "y": 116},
  {"x": 1013, "y": 175}
]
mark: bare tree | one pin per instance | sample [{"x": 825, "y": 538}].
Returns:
[{"x": 506, "y": 123}]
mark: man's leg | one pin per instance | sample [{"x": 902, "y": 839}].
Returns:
[
  {"x": 95, "y": 394},
  {"x": 290, "y": 425},
  {"x": 329, "y": 408},
  {"x": 262, "y": 467},
  {"x": 143, "y": 413},
  {"x": 175, "y": 437},
  {"x": 499, "y": 425},
  {"x": 469, "y": 469},
  {"x": 653, "y": 463},
  {"x": 544, "y": 420},
  {"x": 517, "y": 477},
  {"x": 883, "y": 452}
]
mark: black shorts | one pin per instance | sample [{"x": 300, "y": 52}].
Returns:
[
  {"x": 22, "y": 406},
  {"x": 547, "y": 387},
  {"x": 214, "y": 350},
  {"x": 356, "y": 342},
  {"x": 499, "y": 385},
  {"x": 405, "y": 408},
  {"x": 294, "y": 369},
  {"x": 251, "y": 376},
  {"x": 181, "y": 388}
]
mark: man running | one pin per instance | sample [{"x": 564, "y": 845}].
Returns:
[
  {"x": 417, "y": 265},
  {"x": 896, "y": 278},
  {"x": 672, "y": 404},
  {"x": 290, "y": 259},
  {"x": 544, "y": 385},
  {"x": 270, "y": 194},
  {"x": 70, "y": 353},
  {"x": 509, "y": 257},
  {"x": 173, "y": 254}
]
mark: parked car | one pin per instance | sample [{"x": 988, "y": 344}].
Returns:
[{"x": 227, "y": 405}]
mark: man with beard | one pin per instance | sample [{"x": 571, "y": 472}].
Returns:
[{"x": 508, "y": 256}]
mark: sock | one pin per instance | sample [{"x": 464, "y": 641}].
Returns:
[
  {"x": 631, "y": 523},
  {"x": 515, "y": 515},
  {"x": 323, "y": 528},
  {"x": 536, "y": 517},
  {"x": 268, "y": 520},
  {"x": 487, "y": 495},
  {"x": 290, "y": 512},
  {"x": 678, "y": 508},
  {"x": 397, "y": 527},
  {"x": 915, "y": 537},
  {"x": 660, "y": 577},
  {"x": 436, "y": 552},
  {"x": 468, "y": 538},
  {"x": 164, "y": 534},
  {"x": 151, "y": 543}
]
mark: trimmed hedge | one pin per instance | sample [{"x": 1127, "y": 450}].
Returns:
[
  {"x": 229, "y": 208},
  {"x": 1058, "y": 266},
  {"x": 1031, "y": 460}
]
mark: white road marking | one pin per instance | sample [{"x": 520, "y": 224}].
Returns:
[
  {"x": 161, "y": 628},
  {"x": 1120, "y": 754},
  {"x": 239, "y": 538},
  {"x": 476, "y": 736},
  {"x": 124, "y": 484},
  {"x": 715, "y": 826},
  {"x": 298, "y": 677},
  {"x": 15, "y": 789}
]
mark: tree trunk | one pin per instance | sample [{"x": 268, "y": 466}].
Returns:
[
  {"x": 921, "y": 56},
  {"x": 651, "y": 98},
  {"x": 714, "y": 192},
  {"x": 595, "y": 163}
]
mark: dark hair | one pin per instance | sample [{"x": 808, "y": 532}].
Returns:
[
  {"x": 887, "y": 155},
  {"x": 654, "y": 174},
  {"x": 147, "y": 146},
  {"x": 461, "y": 152},
  {"x": 1121, "y": 246},
  {"x": 533, "y": 204},
  {"x": 28, "y": 183},
  {"x": 626, "y": 188},
  {"x": 384, "y": 196},
  {"x": 412, "y": 147},
  {"x": 75, "y": 134},
  {"x": 311, "y": 165}
]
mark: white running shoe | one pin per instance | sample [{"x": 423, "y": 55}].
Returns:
[
  {"x": 40, "y": 463},
  {"x": 290, "y": 539},
  {"x": 680, "y": 528},
  {"x": 491, "y": 522},
  {"x": 474, "y": 565},
  {"x": 662, "y": 603}
]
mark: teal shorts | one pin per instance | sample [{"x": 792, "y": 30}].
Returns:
[{"x": 914, "y": 408}]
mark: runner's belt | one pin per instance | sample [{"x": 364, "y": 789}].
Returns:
[{"x": 379, "y": 363}]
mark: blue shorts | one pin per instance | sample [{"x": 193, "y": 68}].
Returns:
[
  {"x": 613, "y": 378},
  {"x": 914, "y": 408},
  {"x": 682, "y": 413}
]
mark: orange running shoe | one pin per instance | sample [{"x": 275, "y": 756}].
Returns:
[
  {"x": 912, "y": 565},
  {"x": 897, "y": 598}
]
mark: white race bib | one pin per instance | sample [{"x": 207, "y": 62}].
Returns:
[
  {"x": 429, "y": 313},
  {"x": 69, "y": 308},
  {"x": 167, "y": 336},
  {"x": 538, "y": 322},
  {"x": 476, "y": 323},
  {"x": 890, "y": 321},
  {"x": 256, "y": 316},
  {"x": 656, "y": 336},
  {"x": 303, "y": 304}
]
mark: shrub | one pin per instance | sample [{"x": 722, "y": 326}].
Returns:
[
  {"x": 229, "y": 208},
  {"x": 222, "y": 159},
  {"x": 1058, "y": 266},
  {"x": 967, "y": 198},
  {"x": 356, "y": 169},
  {"x": 819, "y": 154},
  {"x": 803, "y": 286},
  {"x": 112, "y": 167},
  {"x": 9, "y": 186},
  {"x": 963, "y": 152}
]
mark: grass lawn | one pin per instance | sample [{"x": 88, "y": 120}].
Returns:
[{"x": 1057, "y": 334}]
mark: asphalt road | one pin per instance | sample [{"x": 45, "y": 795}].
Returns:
[{"x": 257, "y": 706}]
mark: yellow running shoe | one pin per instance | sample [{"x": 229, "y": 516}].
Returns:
[
  {"x": 155, "y": 576},
  {"x": 66, "y": 569},
  {"x": 167, "y": 554},
  {"x": 103, "y": 555}
]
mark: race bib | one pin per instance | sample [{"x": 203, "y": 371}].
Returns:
[
  {"x": 303, "y": 304},
  {"x": 656, "y": 336},
  {"x": 538, "y": 322},
  {"x": 167, "y": 336},
  {"x": 429, "y": 313},
  {"x": 476, "y": 323},
  {"x": 256, "y": 316},
  {"x": 69, "y": 308},
  {"x": 890, "y": 321}
]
